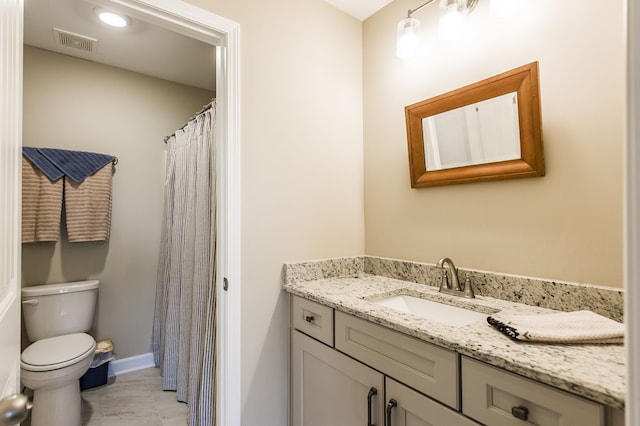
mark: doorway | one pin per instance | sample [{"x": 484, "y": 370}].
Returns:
[
  {"x": 204, "y": 25},
  {"x": 213, "y": 29}
]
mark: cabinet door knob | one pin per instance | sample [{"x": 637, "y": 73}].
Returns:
[
  {"x": 370, "y": 395},
  {"x": 520, "y": 412},
  {"x": 390, "y": 406},
  {"x": 309, "y": 318}
]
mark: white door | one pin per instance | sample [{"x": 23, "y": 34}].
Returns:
[{"x": 10, "y": 192}]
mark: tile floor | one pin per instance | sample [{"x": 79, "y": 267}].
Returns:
[{"x": 133, "y": 399}]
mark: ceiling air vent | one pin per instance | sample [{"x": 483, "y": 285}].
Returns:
[{"x": 75, "y": 41}]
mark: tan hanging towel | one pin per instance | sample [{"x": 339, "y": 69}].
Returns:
[
  {"x": 88, "y": 206},
  {"x": 41, "y": 205}
]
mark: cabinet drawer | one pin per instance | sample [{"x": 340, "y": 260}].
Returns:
[
  {"x": 422, "y": 366},
  {"x": 312, "y": 319},
  {"x": 489, "y": 395}
]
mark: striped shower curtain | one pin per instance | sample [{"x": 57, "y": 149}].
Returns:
[{"x": 184, "y": 326}]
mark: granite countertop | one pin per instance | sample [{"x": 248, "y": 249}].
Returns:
[{"x": 593, "y": 371}]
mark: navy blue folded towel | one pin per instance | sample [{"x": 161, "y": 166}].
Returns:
[
  {"x": 41, "y": 162},
  {"x": 77, "y": 165}
]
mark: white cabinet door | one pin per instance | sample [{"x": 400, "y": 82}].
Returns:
[
  {"x": 406, "y": 407},
  {"x": 329, "y": 388},
  {"x": 10, "y": 197}
]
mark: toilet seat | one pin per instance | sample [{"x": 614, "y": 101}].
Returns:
[{"x": 57, "y": 352}]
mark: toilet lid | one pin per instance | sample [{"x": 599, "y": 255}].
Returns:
[{"x": 57, "y": 352}]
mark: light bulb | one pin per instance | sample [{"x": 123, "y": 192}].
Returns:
[
  {"x": 451, "y": 23},
  {"x": 504, "y": 8},
  {"x": 113, "y": 19},
  {"x": 407, "y": 41}
]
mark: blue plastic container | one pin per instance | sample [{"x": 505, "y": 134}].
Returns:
[{"x": 95, "y": 377}]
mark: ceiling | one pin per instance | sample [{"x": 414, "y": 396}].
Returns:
[
  {"x": 360, "y": 9},
  {"x": 141, "y": 47}
]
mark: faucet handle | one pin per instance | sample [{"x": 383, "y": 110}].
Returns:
[
  {"x": 445, "y": 279},
  {"x": 468, "y": 291}
]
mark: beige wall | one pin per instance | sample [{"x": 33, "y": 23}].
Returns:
[
  {"x": 301, "y": 124},
  {"x": 566, "y": 225},
  {"x": 75, "y": 104},
  {"x": 303, "y": 65}
]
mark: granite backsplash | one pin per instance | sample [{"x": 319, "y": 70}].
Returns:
[{"x": 551, "y": 294}]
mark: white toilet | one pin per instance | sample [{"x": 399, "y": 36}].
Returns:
[{"x": 56, "y": 317}]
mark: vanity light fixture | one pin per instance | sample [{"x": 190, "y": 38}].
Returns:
[
  {"x": 451, "y": 22},
  {"x": 112, "y": 19}
]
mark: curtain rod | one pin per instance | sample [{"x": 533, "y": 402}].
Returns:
[{"x": 203, "y": 109}]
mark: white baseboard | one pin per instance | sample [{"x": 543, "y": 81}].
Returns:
[{"x": 132, "y": 363}]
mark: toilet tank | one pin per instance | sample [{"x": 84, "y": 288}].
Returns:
[{"x": 55, "y": 309}]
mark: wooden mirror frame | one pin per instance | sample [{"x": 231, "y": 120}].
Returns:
[{"x": 524, "y": 81}]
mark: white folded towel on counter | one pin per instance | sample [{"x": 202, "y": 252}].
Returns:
[{"x": 561, "y": 327}]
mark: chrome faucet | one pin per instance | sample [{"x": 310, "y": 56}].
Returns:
[{"x": 450, "y": 281}]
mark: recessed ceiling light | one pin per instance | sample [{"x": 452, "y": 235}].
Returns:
[{"x": 112, "y": 19}]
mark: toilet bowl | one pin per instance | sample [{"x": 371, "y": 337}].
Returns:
[
  {"x": 52, "y": 368},
  {"x": 56, "y": 317}
]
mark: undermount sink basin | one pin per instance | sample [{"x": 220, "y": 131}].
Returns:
[{"x": 433, "y": 311}]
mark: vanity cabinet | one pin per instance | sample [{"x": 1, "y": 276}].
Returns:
[
  {"x": 373, "y": 377},
  {"x": 348, "y": 371},
  {"x": 330, "y": 388}
]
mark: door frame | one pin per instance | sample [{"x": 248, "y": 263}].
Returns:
[
  {"x": 213, "y": 29},
  {"x": 11, "y": 48},
  {"x": 631, "y": 213},
  {"x": 210, "y": 28}
]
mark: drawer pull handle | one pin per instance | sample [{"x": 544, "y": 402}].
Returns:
[
  {"x": 309, "y": 318},
  {"x": 390, "y": 406},
  {"x": 520, "y": 412},
  {"x": 370, "y": 395}
]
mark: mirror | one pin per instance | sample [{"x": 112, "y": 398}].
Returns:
[
  {"x": 489, "y": 130},
  {"x": 484, "y": 132}
]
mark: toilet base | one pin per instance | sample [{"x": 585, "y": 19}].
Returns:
[{"x": 58, "y": 406}]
